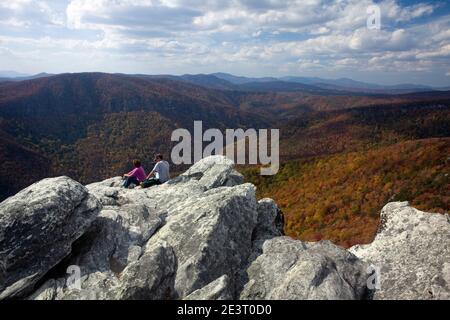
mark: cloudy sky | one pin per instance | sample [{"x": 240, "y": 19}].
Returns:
[{"x": 326, "y": 38}]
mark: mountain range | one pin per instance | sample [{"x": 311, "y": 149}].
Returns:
[
  {"x": 227, "y": 81},
  {"x": 310, "y": 84},
  {"x": 89, "y": 126},
  {"x": 17, "y": 76}
]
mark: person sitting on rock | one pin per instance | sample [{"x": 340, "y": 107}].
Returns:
[
  {"x": 160, "y": 173},
  {"x": 135, "y": 176}
]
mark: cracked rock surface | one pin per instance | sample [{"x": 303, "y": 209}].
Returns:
[{"x": 202, "y": 236}]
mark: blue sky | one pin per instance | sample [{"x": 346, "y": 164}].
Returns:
[{"x": 325, "y": 38}]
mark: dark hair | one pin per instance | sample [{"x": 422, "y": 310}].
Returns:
[
  {"x": 137, "y": 163},
  {"x": 159, "y": 156}
]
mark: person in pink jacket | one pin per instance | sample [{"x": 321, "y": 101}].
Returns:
[{"x": 135, "y": 176}]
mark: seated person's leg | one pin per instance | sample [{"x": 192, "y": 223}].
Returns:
[
  {"x": 135, "y": 181},
  {"x": 129, "y": 181},
  {"x": 126, "y": 182},
  {"x": 150, "y": 183}
]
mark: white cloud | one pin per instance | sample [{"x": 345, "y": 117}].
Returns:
[
  {"x": 275, "y": 35},
  {"x": 440, "y": 52},
  {"x": 28, "y": 13}
]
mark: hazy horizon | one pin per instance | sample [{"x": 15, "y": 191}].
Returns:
[
  {"x": 15, "y": 74},
  {"x": 268, "y": 38}
]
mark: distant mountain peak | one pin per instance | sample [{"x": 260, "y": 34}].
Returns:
[
  {"x": 15, "y": 76},
  {"x": 12, "y": 74}
]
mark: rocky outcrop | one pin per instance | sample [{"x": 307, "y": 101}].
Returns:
[
  {"x": 217, "y": 290},
  {"x": 211, "y": 235},
  {"x": 114, "y": 247},
  {"x": 152, "y": 276},
  {"x": 288, "y": 269},
  {"x": 206, "y": 229},
  {"x": 201, "y": 236},
  {"x": 37, "y": 229},
  {"x": 270, "y": 222},
  {"x": 212, "y": 172},
  {"x": 410, "y": 254}
]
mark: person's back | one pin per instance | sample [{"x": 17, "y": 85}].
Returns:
[{"x": 162, "y": 171}]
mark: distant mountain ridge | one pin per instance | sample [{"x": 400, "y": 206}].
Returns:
[
  {"x": 226, "y": 81},
  {"x": 14, "y": 76},
  {"x": 350, "y": 83},
  {"x": 341, "y": 84},
  {"x": 241, "y": 80}
]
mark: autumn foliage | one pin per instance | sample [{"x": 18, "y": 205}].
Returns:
[
  {"x": 339, "y": 197},
  {"x": 344, "y": 156}
]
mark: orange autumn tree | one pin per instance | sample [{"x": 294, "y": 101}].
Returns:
[{"x": 339, "y": 197}]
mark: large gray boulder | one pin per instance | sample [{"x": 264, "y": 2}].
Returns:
[
  {"x": 211, "y": 235},
  {"x": 411, "y": 253},
  {"x": 152, "y": 276},
  {"x": 269, "y": 220},
  {"x": 113, "y": 248},
  {"x": 37, "y": 229},
  {"x": 290, "y": 269},
  {"x": 213, "y": 172}
]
